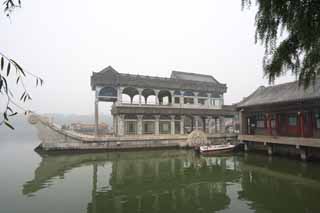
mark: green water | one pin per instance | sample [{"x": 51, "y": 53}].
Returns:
[{"x": 152, "y": 181}]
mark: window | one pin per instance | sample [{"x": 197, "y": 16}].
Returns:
[
  {"x": 260, "y": 124},
  {"x": 131, "y": 127},
  {"x": 148, "y": 127},
  {"x": 273, "y": 121},
  {"x": 292, "y": 120},
  {"x": 260, "y": 120},
  {"x": 201, "y": 101},
  {"x": 177, "y": 127},
  {"x": 317, "y": 117},
  {"x": 177, "y": 100},
  {"x": 216, "y": 102},
  {"x": 188, "y": 100},
  {"x": 165, "y": 127}
]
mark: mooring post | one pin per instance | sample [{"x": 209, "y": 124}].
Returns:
[
  {"x": 270, "y": 149},
  {"x": 303, "y": 154},
  {"x": 246, "y": 146}
]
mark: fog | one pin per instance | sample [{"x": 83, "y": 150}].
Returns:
[{"x": 65, "y": 41}]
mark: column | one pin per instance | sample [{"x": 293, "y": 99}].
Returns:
[
  {"x": 181, "y": 99},
  {"x": 172, "y": 125},
  {"x": 222, "y": 124},
  {"x": 114, "y": 125},
  {"x": 222, "y": 100},
  {"x": 120, "y": 95},
  {"x": 139, "y": 127},
  {"x": 140, "y": 92},
  {"x": 301, "y": 123},
  {"x": 242, "y": 122},
  {"x": 156, "y": 125},
  {"x": 209, "y": 100},
  {"x": 157, "y": 98},
  {"x": 196, "y": 98},
  {"x": 196, "y": 119},
  {"x": 172, "y": 96},
  {"x": 269, "y": 123},
  {"x": 96, "y": 116},
  {"x": 209, "y": 124},
  {"x": 214, "y": 125},
  {"x": 120, "y": 125},
  {"x": 182, "y": 124},
  {"x": 217, "y": 125}
]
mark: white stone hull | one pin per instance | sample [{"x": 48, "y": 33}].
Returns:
[{"x": 53, "y": 138}]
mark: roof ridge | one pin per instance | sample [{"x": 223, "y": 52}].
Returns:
[
  {"x": 285, "y": 92},
  {"x": 195, "y": 74},
  {"x": 281, "y": 84},
  {"x": 192, "y": 73}
]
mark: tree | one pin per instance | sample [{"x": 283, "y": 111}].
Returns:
[
  {"x": 290, "y": 31},
  {"x": 8, "y": 65}
]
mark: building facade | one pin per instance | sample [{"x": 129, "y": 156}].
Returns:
[
  {"x": 285, "y": 115},
  {"x": 156, "y": 105}
]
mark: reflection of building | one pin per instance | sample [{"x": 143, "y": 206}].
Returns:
[
  {"x": 152, "y": 181},
  {"x": 274, "y": 186},
  {"x": 154, "y": 105},
  {"x": 282, "y": 114}
]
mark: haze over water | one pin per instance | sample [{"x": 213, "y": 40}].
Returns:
[{"x": 151, "y": 181}]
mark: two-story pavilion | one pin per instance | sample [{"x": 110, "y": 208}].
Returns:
[{"x": 157, "y": 105}]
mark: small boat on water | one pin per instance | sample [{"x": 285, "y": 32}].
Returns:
[{"x": 220, "y": 148}]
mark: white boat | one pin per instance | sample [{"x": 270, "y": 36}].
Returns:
[{"x": 216, "y": 148}]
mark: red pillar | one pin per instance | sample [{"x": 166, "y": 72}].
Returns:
[
  {"x": 301, "y": 124},
  {"x": 277, "y": 124},
  {"x": 269, "y": 124}
]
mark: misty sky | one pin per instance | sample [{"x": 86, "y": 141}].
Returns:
[{"x": 65, "y": 41}]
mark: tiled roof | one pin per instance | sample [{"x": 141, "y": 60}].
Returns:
[
  {"x": 111, "y": 77},
  {"x": 282, "y": 93},
  {"x": 193, "y": 77}
]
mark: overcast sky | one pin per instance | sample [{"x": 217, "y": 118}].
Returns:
[{"x": 65, "y": 41}]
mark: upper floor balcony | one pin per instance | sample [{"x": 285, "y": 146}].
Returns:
[
  {"x": 181, "y": 90},
  {"x": 146, "y": 97}
]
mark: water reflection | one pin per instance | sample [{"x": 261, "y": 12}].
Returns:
[
  {"x": 179, "y": 181},
  {"x": 280, "y": 185}
]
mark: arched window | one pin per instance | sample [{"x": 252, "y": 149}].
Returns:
[
  {"x": 108, "y": 91},
  {"x": 165, "y": 97},
  {"x": 131, "y": 92},
  {"x": 149, "y": 96}
]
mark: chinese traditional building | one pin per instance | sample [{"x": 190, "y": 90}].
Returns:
[
  {"x": 284, "y": 114},
  {"x": 156, "y": 105}
]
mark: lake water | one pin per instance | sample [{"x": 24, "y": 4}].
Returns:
[{"x": 151, "y": 181}]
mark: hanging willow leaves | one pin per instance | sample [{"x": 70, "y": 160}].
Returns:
[
  {"x": 22, "y": 96},
  {"x": 9, "y": 125},
  {"x": 298, "y": 50},
  {"x": 19, "y": 68},
  {"x": 9, "y": 6},
  {"x": 5, "y": 116},
  {"x": 8, "y": 69},
  {"x": 2, "y": 63}
]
